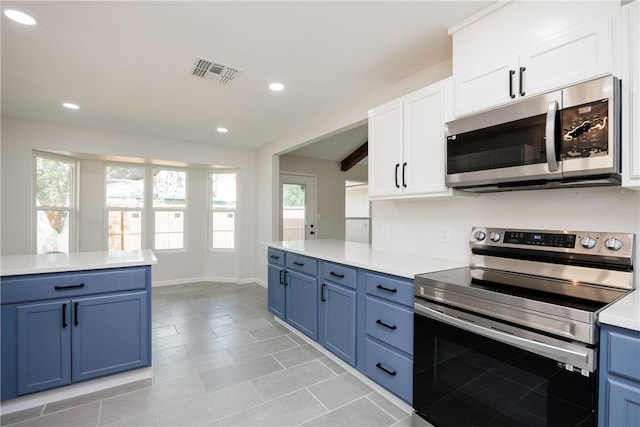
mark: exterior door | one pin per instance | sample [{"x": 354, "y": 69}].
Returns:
[{"x": 298, "y": 207}]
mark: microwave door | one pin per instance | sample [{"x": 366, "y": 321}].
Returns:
[
  {"x": 506, "y": 152},
  {"x": 590, "y": 139}
]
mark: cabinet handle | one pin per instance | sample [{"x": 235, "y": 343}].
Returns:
[
  {"x": 281, "y": 278},
  {"x": 64, "y": 316},
  {"x": 521, "y": 84},
  {"x": 397, "y": 166},
  {"x": 339, "y": 276},
  {"x": 76, "y": 322},
  {"x": 382, "y": 368},
  {"x": 382, "y": 288},
  {"x": 299, "y": 264},
  {"x": 386, "y": 325},
  {"x": 511, "y": 94},
  {"x": 285, "y": 278},
  {"x": 322, "y": 298},
  {"x": 404, "y": 178},
  {"x": 274, "y": 257},
  {"x": 62, "y": 288}
]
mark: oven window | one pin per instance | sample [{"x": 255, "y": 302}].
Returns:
[
  {"x": 463, "y": 379},
  {"x": 518, "y": 143}
]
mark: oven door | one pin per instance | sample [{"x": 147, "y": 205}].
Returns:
[
  {"x": 519, "y": 142},
  {"x": 469, "y": 375}
]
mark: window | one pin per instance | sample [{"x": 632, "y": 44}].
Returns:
[
  {"x": 125, "y": 203},
  {"x": 169, "y": 205},
  {"x": 54, "y": 202},
  {"x": 223, "y": 209}
]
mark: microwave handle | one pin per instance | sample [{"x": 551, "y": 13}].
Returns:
[{"x": 550, "y": 144}]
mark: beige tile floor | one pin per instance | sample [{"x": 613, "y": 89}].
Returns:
[{"x": 220, "y": 359}]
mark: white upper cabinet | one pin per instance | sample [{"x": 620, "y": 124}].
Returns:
[
  {"x": 630, "y": 77},
  {"x": 521, "y": 50},
  {"x": 406, "y": 145}
]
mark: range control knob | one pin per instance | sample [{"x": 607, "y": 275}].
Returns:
[
  {"x": 613, "y": 244},
  {"x": 480, "y": 235},
  {"x": 588, "y": 242},
  {"x": 495, "y": 236}
]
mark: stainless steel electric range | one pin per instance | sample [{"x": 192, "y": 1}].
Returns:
[{"x": 512, "y": 340}]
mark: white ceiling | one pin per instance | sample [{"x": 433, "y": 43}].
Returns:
[{"x": 128, "y": 63}]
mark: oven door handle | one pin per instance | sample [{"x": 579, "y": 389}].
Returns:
[{"x": 526, "y": 344}]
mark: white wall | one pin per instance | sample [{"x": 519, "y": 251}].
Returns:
[
  {"x": 21, "y": 137},
  {"x": 416, "y": 226}
]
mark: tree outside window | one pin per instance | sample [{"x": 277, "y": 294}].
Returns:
[{"x": 54, "y": 204}]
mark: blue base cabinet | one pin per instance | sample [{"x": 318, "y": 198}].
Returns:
[
  {"x": 275, "y": 285},
  {"x": 363, "y": 317},
  {"x": 62, "y": 328},
  {"x": 389, "y": 329},
  {"x": 44, "y": 346},
  {"x": 619, "y": 392},
  {"x": 292, "y": 290},
  {"x": 338, "y": 309}
]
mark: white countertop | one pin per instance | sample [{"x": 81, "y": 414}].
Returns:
[
  {"x": 624, "y": 313},
  {"x": 362, "y": 256},
  {"x": 51, "y": 263}
]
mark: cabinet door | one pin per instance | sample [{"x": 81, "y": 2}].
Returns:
[
  {"x": 424, "y": 115},
  {"x": 385, "y": 150},
  {"x": 44, "y": 346},
  {"x": 276, "y": 290},
  {"x": 338, "y": 321},
  {"x": 624, "y": 403},
  {"x": 630, "y": 76},
  {"x": 110, "y": 334},
  {"x": 581, "y": 54},
  {"x": 492, "y": 82},
  {"x": 302, "y": 303}
]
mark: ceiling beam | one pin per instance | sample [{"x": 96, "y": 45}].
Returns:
[{"x": 352, "y": 159}]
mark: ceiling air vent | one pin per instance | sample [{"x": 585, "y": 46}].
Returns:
[{"x": 213, "y": 70}]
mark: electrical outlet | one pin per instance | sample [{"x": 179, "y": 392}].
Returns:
[
  {"x": 385, "y": 231},
  {"x": 445, "y": 236}
]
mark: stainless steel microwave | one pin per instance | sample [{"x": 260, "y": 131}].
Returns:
[{"x": 566, "y": 138}]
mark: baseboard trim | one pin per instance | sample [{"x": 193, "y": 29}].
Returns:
[
  {"x": 213, "y": 279},
  {"x": 73, "y": 390}
]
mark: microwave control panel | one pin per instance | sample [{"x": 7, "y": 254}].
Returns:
[{"x": 585, "y": 130}]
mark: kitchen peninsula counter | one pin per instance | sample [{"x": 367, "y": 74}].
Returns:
[
  {"x": 624, "y": 313},
  {"x": 15, "y": 265},
  {"x": 361, "y": 255}
]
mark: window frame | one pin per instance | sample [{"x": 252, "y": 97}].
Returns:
[
  {"x": 184, "y": 210},
  {"x": 73, "y": 199},
  {"x": 142, "y": 210},
  {"x": 211, "y": 209}
]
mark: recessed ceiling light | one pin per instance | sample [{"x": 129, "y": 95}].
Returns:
[
  {"x": 20, "y": 17},
  {"x": 70, "y": 106},
  {"x": 276, "y": 87},
  {"x": 222, "y": 130}
]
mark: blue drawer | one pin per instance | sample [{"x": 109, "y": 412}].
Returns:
[
  {"x": 393, "y": 289},
  {"x": 390, "y": 323},
  {"x": 390, "y": 369},
  {"x": 340, "y": 274},
  {"x": 302, "y": 264},
  {"x": 624, "y": 354},
  {"x": 275, "y": 257},
  {"x": 64, "y": 285}
]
